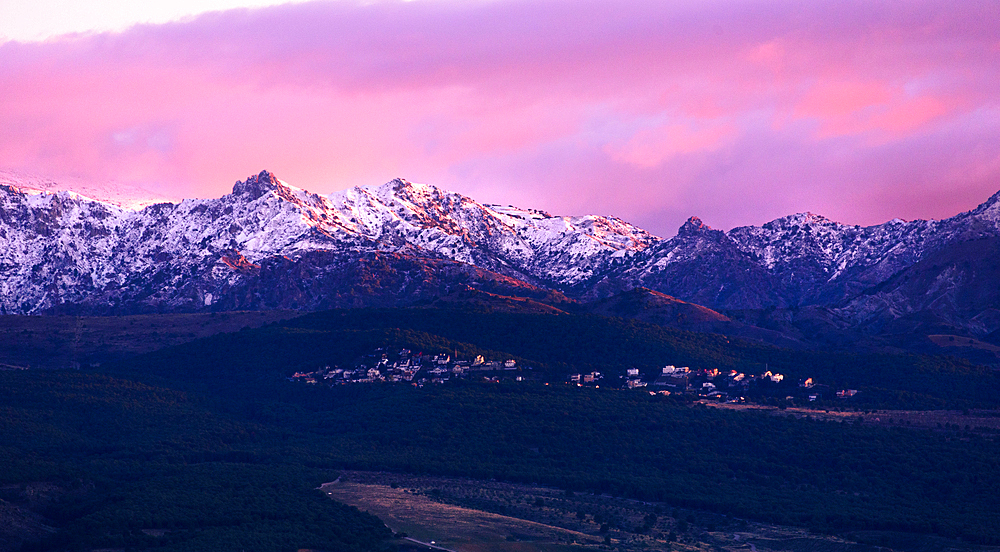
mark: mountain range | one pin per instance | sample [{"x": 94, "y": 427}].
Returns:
[{"x": 798, "y": 280}]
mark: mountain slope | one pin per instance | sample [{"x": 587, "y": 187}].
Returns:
[
  {"x": 63, "y": 250},
  {"x": 699, "y": 265},
  {"x": 959, "y": 284},
  {"x": 823, "y": 262},
  {"x": 271, "y": 245}
]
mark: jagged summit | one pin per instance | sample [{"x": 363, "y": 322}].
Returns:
[
  {"x": 257, "y": 185},
  {"x": 392, "y": 187},
  {"x": 411, "y": 193},
  {"x": 692, "y": 226},
  {"x": 401, "y": 184},
  {"x": 175, "y": 255}
]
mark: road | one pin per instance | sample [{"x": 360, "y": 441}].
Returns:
[{"x": 429, "y": 545}]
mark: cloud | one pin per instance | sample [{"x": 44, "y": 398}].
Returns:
[
  {"x": 43, "y": 19},
  {"x": 650, "y": 110},
  {"x": 650, "y": 147}
]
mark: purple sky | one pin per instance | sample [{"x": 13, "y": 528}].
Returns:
[{"x": 737, "y": 112}]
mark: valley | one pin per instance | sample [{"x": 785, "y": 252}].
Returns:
[
  {"x": 206, "y": 442},
  {"x": 499, "y": 276},
  {"x": 184, "y": 377}
]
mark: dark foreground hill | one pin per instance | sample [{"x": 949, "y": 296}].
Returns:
[
  {"x": 132, "y": 466},
  {"x": 206, "y": 445}
]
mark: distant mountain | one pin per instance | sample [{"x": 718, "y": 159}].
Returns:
[
  {"x": 699, "y": 265},
  {"x": 270, "y": 245},
  {"x": 817, "y": 280},
  {"x": 798, "y": 260}
]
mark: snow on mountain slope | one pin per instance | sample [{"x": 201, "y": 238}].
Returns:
[
  {"x": 63, "y": 248},
  {"x": 124, "y": 196},
  {"x": 527, "y": 243},
  {"x": 54, "y": 246},
  {"x": 797, "y": 260},
  {"x": 821, "y": 261},
  {"x": 699, "y": 265}
]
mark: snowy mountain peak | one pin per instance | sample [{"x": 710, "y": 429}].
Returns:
[
  {"x": 64, "y": 248},
  {"x": 801, "y": 219},
  {"x": 811, "y": 218},
  {"x": 404, "y": 190},
  {"x": 401, "y": 185},
  {"x": 258, "y": 185}
]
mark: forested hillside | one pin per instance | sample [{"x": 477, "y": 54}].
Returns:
[
  {"x": 558, "y": 344},
  {"x": 207, "y": 446}
]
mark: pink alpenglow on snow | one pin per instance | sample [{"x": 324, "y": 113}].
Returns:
[{"x": 651, "y": 111}]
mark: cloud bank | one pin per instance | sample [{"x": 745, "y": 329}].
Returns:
[{"x": 653, "y": 111}]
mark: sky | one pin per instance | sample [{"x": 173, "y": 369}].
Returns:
[{"x": 738, "y": 112}]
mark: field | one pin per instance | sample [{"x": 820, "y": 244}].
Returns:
[
  {"x": 461, "y": 515},
  {"x": 983, "y": 422},
  {"x": 425, "y": 520}
]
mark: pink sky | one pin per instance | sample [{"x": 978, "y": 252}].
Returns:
[{"x": 737, "y": 112}]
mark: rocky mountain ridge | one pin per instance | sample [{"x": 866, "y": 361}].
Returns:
[
  {"x": 64, "y": 251},
  {"x": 271, "y": 245}
]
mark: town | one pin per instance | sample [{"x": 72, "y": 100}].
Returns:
[{"x": 420, "y": 369}]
